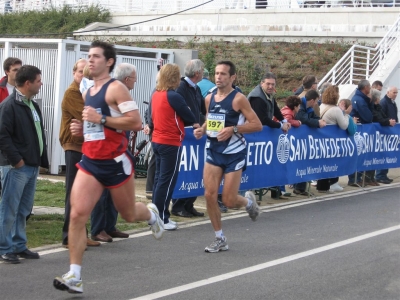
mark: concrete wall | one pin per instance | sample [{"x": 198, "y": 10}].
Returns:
[
  {"x": 182, "y": 56},
  {"x": 361, "y": 23}
]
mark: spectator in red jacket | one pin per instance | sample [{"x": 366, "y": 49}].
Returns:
[
  {"x": 290, "y": 110},
  {"x": 11, "y": 65},
  {"x": 169, "y": 114}
]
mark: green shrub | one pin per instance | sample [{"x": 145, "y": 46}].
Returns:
[{"x": 60, "y": 21}]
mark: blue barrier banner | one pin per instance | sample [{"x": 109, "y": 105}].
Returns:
[
  {"x": 378, "y": 147},
  {"x": 274, "y": 158}
]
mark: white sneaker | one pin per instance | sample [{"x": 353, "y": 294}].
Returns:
[
  {"x": 173, "y": 222},
  {"x": 68, "y": 282},
  {"x": 336, "y": 187},
  {"x": 219, "y": 244},
  {"x": 313, "y": 182},
  {"x": 253, "y": 210},
  {"x": 170, "y": 226},
  {"x": 158, "y": 227}
]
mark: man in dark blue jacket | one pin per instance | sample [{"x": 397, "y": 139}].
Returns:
[
  {"x": 307, "y": 116},
  {"x": 389, "y": 108},
  {"x": 362, "y": 107},
  {"x": 361, "y": 103},
  {"x": 23, "y": 144},
  {"x": 189, "y": 90}
]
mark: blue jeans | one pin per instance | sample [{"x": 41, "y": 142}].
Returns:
[
  {"x": 381, "y": 174},
  {"x": 104, "y": 215},
  {"x": 16, "y": 204},
  {"x": 3, "y": 173},
  {"x": 168, "y": 159}
]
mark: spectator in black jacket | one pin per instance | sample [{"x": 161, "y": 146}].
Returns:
[
  {"x": 21, "y": 124},
  {"x": 379, "y": 116},
  {"x": 385, "y": 113},
  {"x": 189, "y": 90},
  {"x": 263, "y": 103},
  {"x": 388, "y": 103}
]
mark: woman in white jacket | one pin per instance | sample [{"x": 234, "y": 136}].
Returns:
[{"x": 332, "y": 115}]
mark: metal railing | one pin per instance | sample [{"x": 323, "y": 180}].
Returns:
[
  {"x": 360, "y": 62},
  {"x": 7, "y": 6}
]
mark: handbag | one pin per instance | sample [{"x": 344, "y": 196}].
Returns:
[{"x": 352, "y": 128}]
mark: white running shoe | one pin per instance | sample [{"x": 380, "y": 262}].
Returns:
[
  {"x": 68, "y": 282},
  {"x": 173, "y": 222},
  {"x": 313, "y": 182},
  {"x": 336, "y": 187},
  {"x": 253, "y": 210},
  {"x": 170, "y": 226},
  {"x": 219, "y": 244},
  {"x": 158, "y": 227}
]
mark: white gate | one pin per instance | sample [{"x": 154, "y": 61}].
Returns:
[{"x": 56, "y": 57}]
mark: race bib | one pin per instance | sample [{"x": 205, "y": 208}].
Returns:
[
  {"x": 93, "y": 131},
  {"x": 215, "y": 123}
]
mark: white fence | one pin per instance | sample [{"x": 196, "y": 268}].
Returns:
[
  {"x": 55, "y": 58},
  {"x": 178, "y": 5},
  {"x": 360, "y": 62}
]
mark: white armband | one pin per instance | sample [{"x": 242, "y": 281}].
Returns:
[{"x": 127, "y": 106}]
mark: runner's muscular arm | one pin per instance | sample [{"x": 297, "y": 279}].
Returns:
[{"x": 116, "y": 94}]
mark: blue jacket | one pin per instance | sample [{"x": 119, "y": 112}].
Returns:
[
  {"x": 362, "y": 107},
  {"x": 307, "y": 115},
  {"x": 205, "y": 86},
  {"x": 389, "y": 108}
]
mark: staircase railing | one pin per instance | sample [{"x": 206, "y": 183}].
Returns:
[{"x": 360, "y": 62}]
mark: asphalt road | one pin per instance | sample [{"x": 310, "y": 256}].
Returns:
[{"x": 342, "y": 247}]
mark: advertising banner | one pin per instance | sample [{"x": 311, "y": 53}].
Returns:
[{"x": 304, "y": 154}]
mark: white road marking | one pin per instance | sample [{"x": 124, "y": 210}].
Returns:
[{"x": 263, "y": 266}]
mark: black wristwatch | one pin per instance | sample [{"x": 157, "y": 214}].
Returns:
[
  {"x": 103, "y": 120},
  {"x": 235, "y": 129}
]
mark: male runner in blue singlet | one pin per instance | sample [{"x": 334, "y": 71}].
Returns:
[
  {"x": 229, "y": 115},
  {"x": 109, "y": 111}
]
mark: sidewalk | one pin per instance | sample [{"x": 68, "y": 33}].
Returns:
[{"x": 140, "y": 184}]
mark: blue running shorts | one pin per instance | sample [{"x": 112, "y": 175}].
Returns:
[{"x": 227, "y": 162}]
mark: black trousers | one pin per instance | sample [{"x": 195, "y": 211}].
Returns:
[
  {"x": 183, "y": 204},
  {"x": 71, "y": 159},
  {"x": 325, "y": 184},
  {"x": 151, "y": 171},
  {"x": 167, "y": 166}
]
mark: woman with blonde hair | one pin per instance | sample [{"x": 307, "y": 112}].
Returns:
[
  {"x": 169, "y": 113},
  {"x": 332, "y": 115}
]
